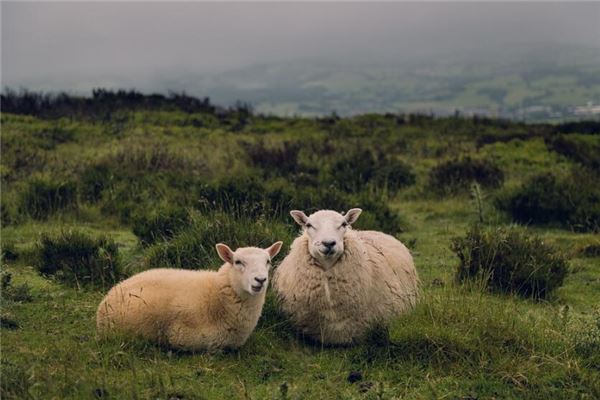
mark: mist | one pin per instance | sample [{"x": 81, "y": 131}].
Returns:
[{"x": 77, "y": 46}]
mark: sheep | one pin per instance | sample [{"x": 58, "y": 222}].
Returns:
[
  {"x": 192, "y": 310},
  {"x": 337, "y": 282}
]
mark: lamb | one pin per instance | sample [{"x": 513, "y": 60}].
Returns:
[
  {"x": 336, "y": 282},
  {"x": 192, "y": 310}
]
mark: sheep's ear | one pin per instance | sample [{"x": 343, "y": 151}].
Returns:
[
  {"x": 299, "y": 217},
  {"x": 352, "y": 215},
  {"x": 274, "y": 249},
  {"x": 225, "y": 252}
]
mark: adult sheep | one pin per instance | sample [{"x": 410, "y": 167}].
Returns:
[
  {"x": 336, "y": 282},
  {"x": 193, "y": 310}
]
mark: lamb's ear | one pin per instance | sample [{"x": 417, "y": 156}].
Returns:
[
  {"x": 352, "y": 215},
  {"x": 274, "y": 249},
  {"x": 225, "y": 252},
  {"x": 299, "y": 217}
]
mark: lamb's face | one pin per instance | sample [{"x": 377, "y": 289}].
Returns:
[
  {"x": 326, "y": 230},
  {"x": 250, "y": 272}
]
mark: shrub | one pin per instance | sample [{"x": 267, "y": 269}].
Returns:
[
  {"x": 282, "y": 161},
  {"x": 9, "y": 252},
  {"x": 44, "y": 196},
  {"x": 591, "y": 250},
  {"x": 194, "y": 247},
  {"x": 48, "y": 139},
  {"x": 509, "y": 259},
  {"x": 572, "y": 201},
  {"x": 93, "y": 181},
  {"x": 582, "y": 151},
  {"x": 239, "y": 195},
  {"x": 79, "y": 260},
  {"x": 8, "y": 291},
  {"x": 456, "y": 175},
  {"x": 159, "y": 224},
  {"x": 353, "y": 171}
]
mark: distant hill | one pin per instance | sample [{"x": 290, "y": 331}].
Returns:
[{"x": 531, "y": 83}]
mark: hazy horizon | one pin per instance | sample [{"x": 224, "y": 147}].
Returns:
[
  {"x": 309, "y": 58},
  {"x": 67, "y": 46}
]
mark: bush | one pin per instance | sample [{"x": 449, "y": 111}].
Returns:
[
  {"x": 456, "y": 175},
  {"x": 280, "y": 161},
  {"x": 571, "y": 202},
  {"x": 20, "y": 293},
  {"x": 44, "y": 196},
  {"x": 591, "y": 250},
  {"x": 48, "y": 139},
  {"x": 79, "y": 260},
  {"x": 582, "y": 151},
  {"x": 239, "y": 195},
  {"x": 93, "y": 181},
  {"x": 159, "y": 224},
  {"x": 360, "y": 168},
  {"x": 9, "y": 252},
  {"x": 194, "y": 247},
  {"x": 509, "y": 259}
]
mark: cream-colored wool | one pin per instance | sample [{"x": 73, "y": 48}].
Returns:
[
  {"x": 373, "y": 280},
  {"x": 192, "y": 310}
]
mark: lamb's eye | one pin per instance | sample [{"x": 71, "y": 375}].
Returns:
[
  {"x": 344, "y": 224},
  {"x": 268, "y": 262},
  {"x": 238, "y": 262},
  {"x": 309, "y": 226}
]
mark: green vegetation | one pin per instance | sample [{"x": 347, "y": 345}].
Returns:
[
  {"x": 510, "y": 260},
  {"x": 120, "y": 183},
  {"x": 79, "y": 260},
  {"x": 456, "y": 175}
]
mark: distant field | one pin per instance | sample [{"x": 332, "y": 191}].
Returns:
[
  {"x": 536, "y": 86},
  {"x": 108, "y": 168}
]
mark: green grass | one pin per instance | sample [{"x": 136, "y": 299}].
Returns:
[{"x": 461, "y": 342}]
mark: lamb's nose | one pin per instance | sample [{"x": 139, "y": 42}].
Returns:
[
  {"x": 261, "y": 281},
  {"x": 328, "y": 243}
]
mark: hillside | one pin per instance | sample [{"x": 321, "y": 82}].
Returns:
[{"x": 121, "y": 182}]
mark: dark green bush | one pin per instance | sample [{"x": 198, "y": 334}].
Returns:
[
  {"x": 48, "y": 139},
  {"x": 355, "y": 170},
  {"x": 10, "y": 292},
  {"x": 510, "y": 260},
  {"x": 194, "y": 247},
  {"x": 159, "y": 224},
  {"x": 93, "y": 181},
  {"x": 458, "y": 174},
  {"x": 591, "y": 250},
  {"x": 279, "y": 161},
  {"x": 238, "y": 195},
  {"x": 582, "y": 151},
  {"x": 9, "y": 252},
  {"x": 79, "y": 260},
  {"x": 44, "y": 196},
  {"x": 571, "y": 202}
]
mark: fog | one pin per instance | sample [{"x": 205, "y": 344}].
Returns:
[{"x": 77, "y": 46}]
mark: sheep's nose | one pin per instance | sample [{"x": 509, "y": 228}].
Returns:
[
  {"x": 260, "y": 280},
  {"x": 328, "y": 243}
]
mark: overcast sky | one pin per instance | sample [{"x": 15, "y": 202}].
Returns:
[{"x": 74, "y": 46}]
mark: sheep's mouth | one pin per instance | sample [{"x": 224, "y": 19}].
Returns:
[
  {"x": 328, "y": 252},
  {"x": 256, "y": 289}
]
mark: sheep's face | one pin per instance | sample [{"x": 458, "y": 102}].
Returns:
[
  {"x": 250, "y": 272},
  {"x": 326, "y": 230}
]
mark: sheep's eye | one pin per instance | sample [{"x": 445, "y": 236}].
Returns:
[
  {"x": 268, "y": 262},
  {"x": 309, "y": 226},
  {"x": 344, "y": 224},
  {"x": 238, "y": 262}
]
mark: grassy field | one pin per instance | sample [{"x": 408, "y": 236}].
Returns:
[{"x": 461, "y": 342}]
